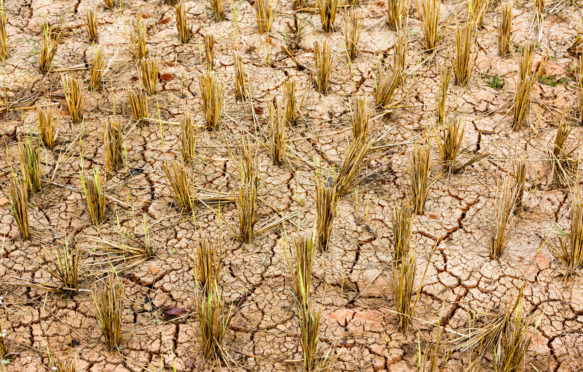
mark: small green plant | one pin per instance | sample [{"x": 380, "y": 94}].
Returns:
[
  {"x": 493, "y": 81},
  {"x": 309, "y": 335}
]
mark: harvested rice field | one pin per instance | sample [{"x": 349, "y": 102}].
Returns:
[{"x": 264, "y": 185}]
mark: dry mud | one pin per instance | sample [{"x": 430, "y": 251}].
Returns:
[{"x": 351, "y": 281}]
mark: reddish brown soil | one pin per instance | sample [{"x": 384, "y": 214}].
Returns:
[{"x": 351, "y": 281}]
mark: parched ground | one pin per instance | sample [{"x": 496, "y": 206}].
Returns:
[{"x": 351, "y": 280}]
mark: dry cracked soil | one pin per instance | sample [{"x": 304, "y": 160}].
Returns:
[{"x": 351, "y": 281}]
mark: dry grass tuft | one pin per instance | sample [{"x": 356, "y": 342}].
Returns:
[
  {"x": 389, "y": 81},
  {"x": 187, "y": 138},
  {"x": 112, "y": 145},
  {"x": 322, "y": 66},
  {"x": 352, "y": 29},
  {"x": 91, "y": 26},
  {"x": 577, "y": 47},
  {"x": 442, "y": 98},
  {"x": 211, "y": 92},
  {"x": 327, "y": 10},
  {"x": 30, "y": 165},
  {"x": 3, "y": 39},
  {"x": 360, "y": 117},
  {"x": 309, "y": 335},
  {"x": 48, "y": 49},
  {"x": 524, "y": 87},
  {"x": 289, "y": 102},
  {"x": 355, "y": 160},
  {"x": 47, "y": 125},
  {"x": 138, "y": 104},
  {"x": 62, "y": 364},
  {"x": 396, "y": 13},
  {"x": 18, "y": 196},
  {"x": 429, "y": 13},
  {"x": 217, "y": 8},
  {"x": 277, "y": 143},
  {"x": 519, "y": 184},
  {"x": 247, "y": 196},
  {"x": 463, "y": 53},
  {"x": 74, "y": 98},
  {"x": 402, "y": 229},
  {"x": 479, "y": 8},
  {"x": 3, "y": 346},
  {"x": 240, "y": 86},
  {"x": 97, "y": 70},
  {"x": 64, "y": 266},
  {"x": 184, "y": 30},
  {"x": 209, "y": 51},
  {"x": 213, "y": 321},
  {"x": 207, "y": 265},
  {"x": 504, "y": 208},
  {"x": 564, "y": 165},
  {"x": 180, "y": 185},
  {"x": 449, "y": 136},
  {"x": 580, "y": 90},
  {"x": 94, "y": 191},
  {"x": 149, "y": 75},
  {"x": 326, "y": 202},
  {"x": 505, "y": 29},
  {"x": 300, "y": 257},
  {"x": 264, "y": 15},
  {"x": 110, "y": 4},
  {"x": 108, "y": 301},
  {"x": 505, "y": 334},
  {"x": 138, "y": 39},
  {"x": 402, "y": 285},
  {"x": 570, "y": 248},
  {"x": 420, "y": 162}
]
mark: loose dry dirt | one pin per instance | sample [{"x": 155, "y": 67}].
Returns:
[{"x": 351, "y": 281}]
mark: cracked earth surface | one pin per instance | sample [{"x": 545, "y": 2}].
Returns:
[{"x": 351, "y": 281}]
